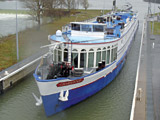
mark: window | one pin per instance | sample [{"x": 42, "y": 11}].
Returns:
[
  {"x": 108, "y": 56},
  {"x": 83, "y": 58},
  {"x": 75, "y": 27},
  {"x": 55, "y": 56},
  {"x": 59, "y": 54},
  {"x": 65, "y": 54},
  {"x": 87, "y": 28},
  {"x": 112, "y": 54},
  {"x": 91, "y": 58},
  {"x": 110, "y": 31},
  {"x": 98, "y": 59},
  {"x": 104, "y": 54},
  {"x": 115, "y": 54},
  {"x": 98, "y": 28},
  {"x": 75, "y": 58}
]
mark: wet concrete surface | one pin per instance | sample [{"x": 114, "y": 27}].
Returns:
[
  {"x": 148, "y": 108},
  {"x": 155, "y": 54}
]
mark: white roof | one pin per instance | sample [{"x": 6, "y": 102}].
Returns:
[{"x": 88, "y": 23}]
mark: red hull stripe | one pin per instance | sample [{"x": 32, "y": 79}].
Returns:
[
  {"x": 88, "y": 83},
  {"x": 61, "y": 84}
]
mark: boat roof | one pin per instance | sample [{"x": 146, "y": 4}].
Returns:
[
  {"x": 86, "y": 38},
  {"x": 83, "y": 39},
  {"x": 89, "y": 23}
]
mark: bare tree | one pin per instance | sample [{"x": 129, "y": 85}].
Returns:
[
  {"x": 70, "y": 4},
  {"x": 61, "y": 3},
  {"x": 78, "y": 3},
  {"x": 85, "y": 4},
  {"x": 36, "y": 7}
]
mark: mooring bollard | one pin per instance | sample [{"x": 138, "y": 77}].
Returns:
[{"x": 139, "y": 94}]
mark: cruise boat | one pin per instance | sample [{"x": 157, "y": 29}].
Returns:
[{"x": 83, "y": 58}]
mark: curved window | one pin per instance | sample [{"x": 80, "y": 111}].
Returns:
[
  {"x": 65, "y": 54},
  {"x": 104, "y": 54},
  {"x": 91, "y": 58},
  {"x": 74, "y": 58},
  {"x": 83, "y": 58},
  {"x": 59, "y": 54},
  {"x": 98, "y": 59},
  {"x": 112, "y": 55},
  {"x": 108, "y": 56},
  {"x": 55, "y": 56}
]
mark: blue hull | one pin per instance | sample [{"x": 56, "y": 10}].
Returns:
[{"x": 52, "y": 104}]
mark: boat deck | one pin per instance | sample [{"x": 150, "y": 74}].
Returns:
[{"x": 44, "y": 71}]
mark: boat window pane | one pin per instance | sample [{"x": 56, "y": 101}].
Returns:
[
  {"x": 108, "y": 56},
  {"x": 87, "y": 28},
  {"x": 83, "y": 60},
  {"x": 110, "y": 31},
  {"x": 115, "y": 53},
  {"x": 104, "y": 55},
  {"x": 65, "y": 54},
  {"x": 75, "y": 27},
  {"x": 98, "y": 28},
  {"x": 98, "y": 59},
  {"x": 75, "y": 60},
  {"x": 90, "y": 59},
  {"x": 55, "y": 56},
  {"x": 59, "y": 55},
  {"x": 112, "y": 55}
]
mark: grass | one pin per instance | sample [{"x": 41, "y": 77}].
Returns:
[
  {"x": 30, "y": 40},
  {"x": 8, "y": 52},
  {"x": 13, "y": 11},
  {"x": 156, "y": 28}
]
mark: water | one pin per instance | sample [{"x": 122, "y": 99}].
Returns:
[
  {"x": 111, "y": 103},
  {"x": 8, "y": 23}
]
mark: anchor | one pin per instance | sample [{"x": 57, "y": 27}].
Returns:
[
  {"x": 38, "y": 100},
  {"x": 63, "y": 97}
]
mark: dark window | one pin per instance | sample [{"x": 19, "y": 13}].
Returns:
[
  {"x": 110, "y": 31},
  {"x": 83, "y": 58},
  {"x": 87, "y": 28},
  {"x": 65, "y": 54},
  {"x": 75, "y": 27},
  {"x": 97, "y": 28}
]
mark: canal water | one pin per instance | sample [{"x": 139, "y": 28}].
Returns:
[{"x": 111, "y": 103}]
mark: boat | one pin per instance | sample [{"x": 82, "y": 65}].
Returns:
[{"x": 83, "y": 58}]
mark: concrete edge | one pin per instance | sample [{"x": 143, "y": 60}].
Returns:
[
  {"x": 18, "y": 70},
  {"x": 137, "y": 75}
]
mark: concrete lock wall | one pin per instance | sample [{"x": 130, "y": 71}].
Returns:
[{"x": 9, "y": 82}]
